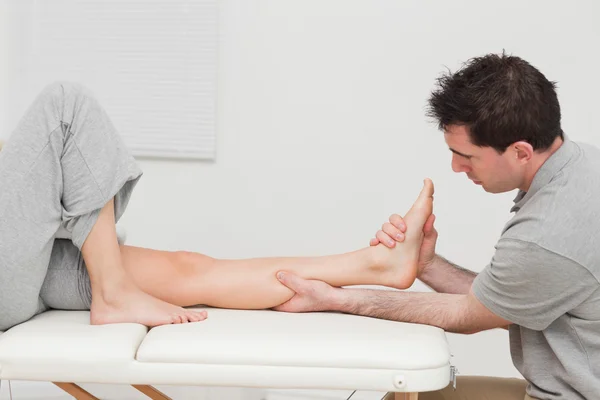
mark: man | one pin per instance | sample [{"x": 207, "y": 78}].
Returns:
[{"x": 501, "y": 121}]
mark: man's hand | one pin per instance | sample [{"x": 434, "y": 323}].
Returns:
[
  {"x": 311, "y": 295},
  {"x": 393, "y": 231}
]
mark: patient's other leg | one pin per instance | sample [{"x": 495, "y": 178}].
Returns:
[
  {"x": 65, "y": 173},
  {"x": 187, "y": 278}
]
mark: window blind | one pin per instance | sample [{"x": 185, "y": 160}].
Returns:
[{"x": 152, "y": 64}]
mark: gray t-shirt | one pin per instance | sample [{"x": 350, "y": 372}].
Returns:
[{"x": 544, "y": 277}]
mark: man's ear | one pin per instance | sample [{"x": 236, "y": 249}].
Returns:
[{"x": 522, "y": 151}]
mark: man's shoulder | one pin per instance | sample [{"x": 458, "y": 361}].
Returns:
[
  {"x": 584, "y": 171},
  {"x": 567, "y": 204},
  {"x": 560, "y": 224}
]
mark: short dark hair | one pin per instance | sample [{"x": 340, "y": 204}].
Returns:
[{"x": 502, "y": 99}]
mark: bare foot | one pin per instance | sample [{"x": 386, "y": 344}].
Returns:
[
  {"x": 400, "y": 263},
  {"x": 131, "y": 304}
]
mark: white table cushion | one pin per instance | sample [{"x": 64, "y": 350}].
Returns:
[
  {"x": 231, "y": 348},
  {"x": 63, "y": 341},
  {"x": 291, "y": 339}
]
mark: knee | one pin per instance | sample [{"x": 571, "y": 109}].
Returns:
[
  {"x": 190, "y": 258},
  {"x": 189, "y": 263},
  {"x": 65, "y": 97},
  {"x": 59, "y": 91},
  {"x": 64, "y": 88}
]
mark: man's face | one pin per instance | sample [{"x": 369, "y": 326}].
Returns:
[{"x": 496, "y": 173}]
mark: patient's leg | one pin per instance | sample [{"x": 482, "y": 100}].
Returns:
[{"x": 186, "y": 278}]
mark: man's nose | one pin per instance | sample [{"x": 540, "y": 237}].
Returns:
[{"x": 458, "y": 165}]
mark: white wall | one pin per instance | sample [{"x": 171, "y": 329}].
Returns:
[{"x": 322, "y": 134}]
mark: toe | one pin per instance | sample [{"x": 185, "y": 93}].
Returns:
[
  {"x": 177, "y": 319},
  {"x": 428, "y": 188},
  {"x": 196, "y": 316}
]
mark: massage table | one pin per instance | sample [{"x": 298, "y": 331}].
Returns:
[{"x": 231, "y": 348}]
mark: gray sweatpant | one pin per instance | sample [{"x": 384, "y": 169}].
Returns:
[{"x": 61, "y": 165}]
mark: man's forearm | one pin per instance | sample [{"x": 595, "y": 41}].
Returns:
[
  {"x": 446, "y": 277},
  {"x": 446, "y": 311}
]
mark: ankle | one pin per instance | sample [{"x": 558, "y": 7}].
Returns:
[
  {"x": 379, "y": 257},
  {"x": 111, "y": 290}
]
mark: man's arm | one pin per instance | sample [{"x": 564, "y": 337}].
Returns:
[
  {"x": 458, "y": 313},
  {"x": 445, "y": 277}
]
